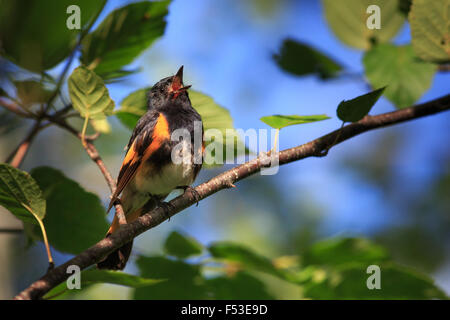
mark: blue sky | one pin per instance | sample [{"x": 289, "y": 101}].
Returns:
[{"x": 226, "y": 48}]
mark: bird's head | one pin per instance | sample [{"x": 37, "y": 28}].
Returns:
[{"x": 167, "y": 90}]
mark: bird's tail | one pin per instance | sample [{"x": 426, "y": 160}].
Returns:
[{"x": 117, "y": 259}]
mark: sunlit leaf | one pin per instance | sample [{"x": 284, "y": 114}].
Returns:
[
  {"x": 430, "y": 29},
  {"x": 101, "y": 125},
  {"x": 281, "y": 121},
  {"x": 398, "y": 68},
  {"x": 89, "y": 95},
  {"x": 20, "y": 194},
  {"x": 348, "y": 21}
]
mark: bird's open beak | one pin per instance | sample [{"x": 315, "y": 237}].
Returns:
[{"x": 177, "y": 82}]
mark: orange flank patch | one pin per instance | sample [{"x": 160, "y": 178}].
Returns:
[
  {"x": 131, "y": 154},
  {"x": 160, "y": 134},
  {"x": 134, "y": 159}
]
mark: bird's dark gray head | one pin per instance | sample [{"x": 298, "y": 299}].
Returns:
[{"x": 166, "y": 90}]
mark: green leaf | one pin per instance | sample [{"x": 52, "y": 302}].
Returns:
[
  {"x": 123, "y": 35},
  {"x": 101, "y": 125},
  {"x": 128, "y": 119},
  {"x": 34, "y": 34},
  {"x": 75, "y": 218},
  {"x": 31, "y": 92},
  {"x": 396, "y": 67},
  {"x": 182, "y": 246},
  {"x": 280, "y": 121},
  {"x": 355, "y": 109},
  {"x": 21, "y": 195},
  {"x": 118, "y": 75},
  {"x": 93, "y": 276},
  {"x": 133, "y": 107},
  {"x": 240, "y": 286},
  {"x": 217, "y": 118},
  {"x": 348, "y": 20},
  {"x": 430, "y": 29},
  {"x": 338, "y": 251},
  {"x": 350, "y": 282},
  {"x": 213, "y": 117},
  {"x": 245, "y": 257},
  {"x": 89, "y": 95},
  {"x": 300, "y": 59},
  {"x": 184, "y": 280}
]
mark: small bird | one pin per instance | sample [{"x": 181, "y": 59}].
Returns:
[{"x": 149, "y": 172}]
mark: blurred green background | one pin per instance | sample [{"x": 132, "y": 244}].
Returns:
[{"x": 391, "y": 186}]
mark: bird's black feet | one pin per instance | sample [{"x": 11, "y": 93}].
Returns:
[
  {"x": 166, "y": 206},
  {"x": 193, "y": 192}
]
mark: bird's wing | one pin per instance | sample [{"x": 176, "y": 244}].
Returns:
[{"x": 147, "y": 137}]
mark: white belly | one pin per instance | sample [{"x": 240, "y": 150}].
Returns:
[
  {"x": 178, "y": 172},
  {"x": 166, "y": 179}
]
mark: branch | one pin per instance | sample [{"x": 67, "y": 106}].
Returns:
[
  {"x": 92, "y": 152},
  {"x": 225, "y": 180},
  {"x": 13, "y": 107},
  {"x": 17, "y": 156},
  {"x": 19, "y": 153},
  {"x": 444, "y": 67}
]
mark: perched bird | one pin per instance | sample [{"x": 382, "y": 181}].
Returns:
[{"x": 149, "y": 172}]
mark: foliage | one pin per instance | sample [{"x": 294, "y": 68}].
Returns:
[
  {"x": 89, "y": 95},
  {"x": 39, "y": 39},
  {"x": 123, "y": 35},
  {"x": 348, "y": 20},
  {"x": 331, "y": 269},
  {"x": 355, "y": 109},
  {"x": 300, "y": 59},
  {"x": 279, "y": 121},
  {"x": 431, "y": 43},
  {"x": 74, "y": 218},
  {"x": 397, "y": 67}
]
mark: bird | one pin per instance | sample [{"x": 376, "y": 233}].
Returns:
[{"x": 155, "y": 164}]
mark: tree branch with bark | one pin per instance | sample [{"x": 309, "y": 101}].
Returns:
[{"x": 316, "y": 148}]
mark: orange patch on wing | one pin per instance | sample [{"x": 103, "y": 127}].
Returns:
[
  {"x": 131, "y": 154},
  {"x": 160, "y": 134}
]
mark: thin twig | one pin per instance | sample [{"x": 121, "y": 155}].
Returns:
[
  {"x": 14, "y": 107},
  {"x": 92, "y": 152},
  {"x": 444, "y": 67},
  {"x": 153, "y": 218},
  {"x": 17, "y": 156}
]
